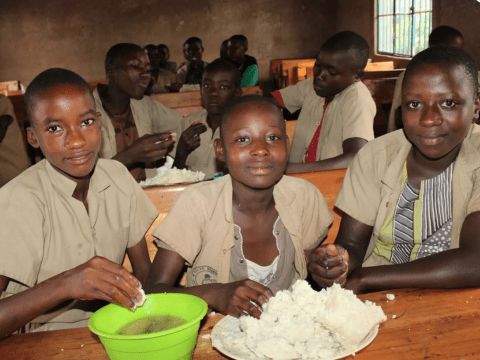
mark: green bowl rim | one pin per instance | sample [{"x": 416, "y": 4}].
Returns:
[{"x": 198, "y": 318}]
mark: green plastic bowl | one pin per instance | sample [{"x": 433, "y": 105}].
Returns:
[{"x": 176, "y": 343}]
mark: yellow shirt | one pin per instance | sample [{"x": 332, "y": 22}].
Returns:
[
  {"x": 207, "y": 241},
  {"x": 13, "y": 156},
  {"x": 45, "y": 231},
  {"x": 349, "y": 115},
  {"x": 373, "y": 184}
]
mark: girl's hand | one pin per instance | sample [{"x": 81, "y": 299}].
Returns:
[
  {"x": 244, "y": 297},
  {"x": 101, "y": 279},
  {"x": 328, "y": 265}
]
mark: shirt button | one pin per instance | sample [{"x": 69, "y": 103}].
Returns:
[
  {"x": 277, "y": 232},
  {"x": 241, "y": 261},
  {"x": 318, "y": 123},
  {"x": 236, "y": 237}
]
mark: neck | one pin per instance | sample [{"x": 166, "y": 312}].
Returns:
[
  {"x": 81, "y": 191},
  {"x": 213, "y": 121},
  {"x": 248, "y": 200},
  {"x": 117, "y": 101}
]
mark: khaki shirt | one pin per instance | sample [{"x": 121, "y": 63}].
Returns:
[
  {"x": 200, "y": 227},
  {"x": 349, "y": 115},
  {"x": 45, "y": 231},
  {"x": 373, "y": 184},
  {"x": 202, "y": 158},
  {"x": 151, "y": 117},
  {"x": 13, "y": 156}
]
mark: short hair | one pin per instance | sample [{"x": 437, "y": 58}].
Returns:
[
  {"x": 350, "y": 41},
  {"x": 163, "y": 46},
  {"x": 224, "y": 65},
  {"x": 120, "y": 50},
  {"x": 443, "y": 35},
  {"x": 242, "y": 100},
  {"x": 192, "y": 40},
  {"x": 240, "y": 38},
  {"x": 150, "y": 47},
  {"x": 48, "y": 79},
  {"x": 449, "y": 55}
]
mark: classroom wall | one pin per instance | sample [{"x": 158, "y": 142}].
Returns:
[
  {"x": 464, "y": 15},
  {"x": 35, "y": 35}
]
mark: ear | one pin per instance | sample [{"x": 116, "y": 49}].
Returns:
[
  {"x": 219, "y": 153},
  {"x": 99, "y": 115},
  {"x": 476, "y": 108},
  {"x": 32, "y": 138},
  {"x": 109, "y": 68},
  {"x": 360, "y": 75}
]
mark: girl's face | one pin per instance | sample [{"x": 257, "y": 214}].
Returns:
[{"x": 438, "y": 104}]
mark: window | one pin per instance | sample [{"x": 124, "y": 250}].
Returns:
[{"x": 403, "y": 26}]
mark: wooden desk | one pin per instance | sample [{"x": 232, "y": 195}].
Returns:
[{"x": 429, "y": 324}]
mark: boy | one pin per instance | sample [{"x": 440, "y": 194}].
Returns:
[
  {"x": 237, "y": 47},
  {"x": 82, "y": 214},
  {"x": 164, "y": 56},
  {"x": 191, "y": 72},
  {"x": 411, "y": 198},
  {"x": 248, "y": 232},
  {"x": 161, "y": 78},
  {"x": 198, "y": 131},
  {"x": 441, "y": 35},
  {"x": 13, "y": 157},
  {"x": 137, "y": 131},
  {"x": 337, "y": 113}
]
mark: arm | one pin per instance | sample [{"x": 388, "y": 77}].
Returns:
[
  {"x": 98, "y": 278},
  {"x": 232, "y": 298},
  {"x": 5, "y": 122},
  {"x": 350, "y": 148},
  {"x": 140, "y": 260}
]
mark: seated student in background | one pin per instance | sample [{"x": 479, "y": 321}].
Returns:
[
  {"x": 197, "y": 131},
  {"x": 13, "y": 156},
  {"x": 337, "y": 110},
  {"x": 411, "y": 198},
  {"x": 224, "y": 49},
  {"x": 237, "y": 47},
  {"x": 137, "y": 131},
  {"x": 441, "y": 35},
  {"x": 191, "y": 72},
  {"x": 67, "y": 221},
  {"x": 164, "y": 56},
  {"x": 161, "y": 78},
  {"x": 246, "y": 235}
]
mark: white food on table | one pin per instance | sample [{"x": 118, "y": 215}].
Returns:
[
  {"x": 390, "y": 297},
  {"x": 303, "y": 324},
  {"x": 174, "y": 176}
]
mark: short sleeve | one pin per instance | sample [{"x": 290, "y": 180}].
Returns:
[
  {"x": 473, "y": 204},
  {"x": 250, "y": 76},
  {"x": 360, "y": 195},
  {"x": 181, "y": 228},
  {"x": 358, "y": 111},
  {"x": 294, "y": 96},
  {"x": 21, "y": 234},
  {"x": 316, "y": 218},
  {"x": 164, "y": 118}
]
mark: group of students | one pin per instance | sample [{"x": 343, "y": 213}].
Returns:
[
  {"x": 410, "y": 199},
  {"x": 166, "y": 77}
]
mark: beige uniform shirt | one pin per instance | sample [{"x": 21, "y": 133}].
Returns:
[
  {"x": 202, "y": 158},
  {"x": 45, "y": 231},
  {"x": 151, "y": 117},
  {"x": 373, "y": 184},
  {"x": 349, "y": 115},
  {"x": 13, "y": 156},
  {"x": 200, "y": 227}
]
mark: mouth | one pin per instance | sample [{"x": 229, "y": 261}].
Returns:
[
  {"x": 432, "y": 140},
  {"x": 80, "y": 159},
  {"x": 317, "y": 86},
  {"x": 143, "y": 84},
  {"x": 260, "y": 169}
]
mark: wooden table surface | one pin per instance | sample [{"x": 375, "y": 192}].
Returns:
[{"x": 429, "y": 324}]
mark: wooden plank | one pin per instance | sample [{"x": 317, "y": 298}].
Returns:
[{"x": 381, "y": 65}]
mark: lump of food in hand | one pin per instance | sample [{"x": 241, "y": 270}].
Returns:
[
  {"x": 142, "y": 300},
  {"x": 305, "y": 324},
  {"x": 151, "y": 324}
]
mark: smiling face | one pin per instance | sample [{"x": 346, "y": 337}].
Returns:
[
  {"x": 66, "y": 126},
  {"x": 218, "y": 89},
  {"x": 334, "y": 71},
  {"x": 254, "y": 145},
  {"x": 438, "y": 104},
  {"x": 130, "y": 74}
]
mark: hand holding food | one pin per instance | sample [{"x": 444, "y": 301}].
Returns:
[{"x": 328, "y": 264}]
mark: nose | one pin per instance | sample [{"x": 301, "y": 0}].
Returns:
[
  {"x": 74, "y": 139},
  {"x": 259, "y": 148},
  {"x": 431, "y": 116}
]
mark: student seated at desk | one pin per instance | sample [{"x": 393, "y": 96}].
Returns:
[
  {"x": 237, "y": 47},
  {"x": 197, "y": 132},
  {"x": 13, "y": 156},
  {"x": 191, "y": 72},
  {"x": 411, "y": 198},
  {"x": 337, "y": 110},
  {"x": 246, "y": 235},
  {"x": 163, "y": 73},
  {"x": 441, "y": 35},
  {"x": 137, "y": 131},
  {"x": 67, "y": 221}
]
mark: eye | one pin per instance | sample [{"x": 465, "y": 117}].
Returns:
[
  {"x": 449, "y": 104},
  {"x": 206, "y": 86},
  {"x": 272, "y": 137},
  {"x": 242, "y": 139},
  {"x": 53, "y": 128},
  {"x": 88, "y": 122},
  {"x": 224, "y": 87},
  {"x": 332, "y": 72},
  {"x": 413, "y": 104}
]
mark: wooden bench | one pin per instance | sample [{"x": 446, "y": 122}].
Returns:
[{"x": 328, "y": 182}]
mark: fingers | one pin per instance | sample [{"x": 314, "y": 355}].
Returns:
[{"x": 329, "y": 264}]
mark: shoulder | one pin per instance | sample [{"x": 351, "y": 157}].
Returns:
[
  {"x": 200, "y": 115},
  {"x": 116, "y": 175},
  {"x": 250, "y": 60},
  {"x": 385, "y": 146},
  {"x": 297, "y": 189},
  {"x": 358, "y": 90},
  {"x": 206, "y": 190},
  {"x": 6, "y": 106}
]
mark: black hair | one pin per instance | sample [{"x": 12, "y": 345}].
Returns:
[
  {"x": 149, "y": 47},
  {"x": 48, "y": 79},
  {"x": 225, "y": 65},
  {"x": 443, "y": 35},
  {"x": 223, "y": 49},
  {"x": 350, "y": 41},
  {"x": 120, "y": 50},
  {"x": 242, "y": 100},
  {"x": 163, "y": 46},
  {"x": 449, "y": 55},
  {"x": 192, "y": 40},
  {"x": 240, "y": 38}
]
